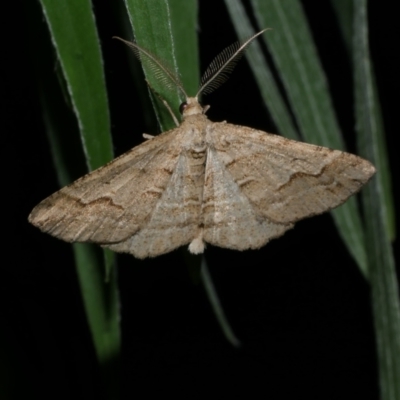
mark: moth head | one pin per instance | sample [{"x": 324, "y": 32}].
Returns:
[
  {"x": 216, "y": 74},
  {"x": 192, "y": 107}
]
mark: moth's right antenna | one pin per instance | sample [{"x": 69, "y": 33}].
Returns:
[
  {"x": 161, "y": 71},
  {"x": 222, "y": 65}
]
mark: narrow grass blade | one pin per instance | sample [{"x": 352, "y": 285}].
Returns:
[
  {"x": 74, "y": 37},
  {"x": 216, "y": 304},
  {"x": 344, "y": 13},
  {"x": 385, "y": 291},
  {"x": 167, "y": 29},
  {"x": 262, "y": 72}
]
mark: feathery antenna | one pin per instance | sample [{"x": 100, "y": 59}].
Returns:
[
  {"x": 161, "y": 71},
  {"x": 223, "y": 64}
]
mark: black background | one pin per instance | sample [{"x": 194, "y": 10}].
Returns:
[{"x": 299, "y": 305}]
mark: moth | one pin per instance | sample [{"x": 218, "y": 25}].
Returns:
[{"x": 202, "y": 182}]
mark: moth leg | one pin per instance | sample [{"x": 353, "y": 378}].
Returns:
[{"x": 147, "y": 136}]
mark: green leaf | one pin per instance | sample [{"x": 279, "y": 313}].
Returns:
[
  {"x": 74, "y": 37},
  {"x": 268, "y": 87},
  {"x": 167, "y": 29},
  {"x": 383, "y": 279},
  {"x": 102, "y": 306},
  {"x": 344, "y": 14},
  {"x": 216, "y": 304}
]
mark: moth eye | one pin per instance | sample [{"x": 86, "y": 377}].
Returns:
[{"x": 182, "y": 107}]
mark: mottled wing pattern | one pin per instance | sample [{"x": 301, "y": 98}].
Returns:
[
  {"x": 174, "y": 219},
  {"x": 229, "y": 218},
  {"x": 263, "y": 183},
  {"x": 112, "y": 204}
]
